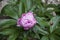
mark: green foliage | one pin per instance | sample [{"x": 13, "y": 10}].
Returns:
[
  {"x": 11, "y": 11},
  {"x": 55, "y": 21},
  {"x": 13, "y": 36},
  {"x": 47, "y": 27},
  {"x": 7, "y": 23},
  {"x": 44, "y": 38},
  {"x": 39, "y": 30}
]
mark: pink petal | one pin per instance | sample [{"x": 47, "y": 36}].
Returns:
[
  {"x": 26, "y": 28},
  {"x": 23, "y": 14}
]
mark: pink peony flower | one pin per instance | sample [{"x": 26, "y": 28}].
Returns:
[{"x": 27, "y": 20}]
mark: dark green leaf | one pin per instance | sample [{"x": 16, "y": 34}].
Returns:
[
  {"x": 13, "y": 36},
  {"x": 57, "y": 31},
  {"x": 7, "y": 31},
  {"x": 25, "y": 37},
  {"x": 37, "y": 36},
  {"x": 45, "y": 38},
  {"x": 57, "y": 37},
  {"x": 52, "y": 37}
]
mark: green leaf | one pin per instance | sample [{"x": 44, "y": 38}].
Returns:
[
  {"x": 42, "y": 22},
  {"x": 52, "y": 37},
  {"x": 55, "y": 21},
  {"x": 23, "y": 1},
  {"x": 25, "y": 37},
  {"x": 13, "y": 36},
  {"x": 47, "y": 13},
  {"x": 57, "y": 31},
  {"x": 7, "y": 31},
  {"x": 20, "y": 8},
  {"x": 10, "y": 11},
  {"x": 37, "y": 36},
  {"x": 41, "y": 11},
  {"x": 33, "y": 8},
  {"x": 12, "y": 2},
  {"x": 28, "y": 4},
  {"x": 52, "y": 5},
  {"x": 7, "y": 22},
  {"x": 45, "y": 38},
  {"x": 38, "y": 2},
  {"x": 57, "y": 37},
  {"x": 39, "y": 30}
]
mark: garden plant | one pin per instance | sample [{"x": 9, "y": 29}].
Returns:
[{"x": 30, "y": 20}]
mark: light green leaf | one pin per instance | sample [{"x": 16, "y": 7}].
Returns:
[
  {"x": 20, "y": 8},
  {"x": 41, "y": 22},
  {"x": 28, "y": 4},
  {"x": 33, "y": 8},
  {"x": 39, "y": 30},
  {"x": 7, "y": 22},
  {"x": 55, "y": 21},
  {"x": 12, "y": 2}
]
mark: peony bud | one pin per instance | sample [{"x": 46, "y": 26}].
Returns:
[{"x": 27, "y": 20}]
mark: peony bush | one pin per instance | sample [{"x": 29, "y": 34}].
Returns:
[{"x": 30, "y": 20}]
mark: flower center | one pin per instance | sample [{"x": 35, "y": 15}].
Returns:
[{"x": 28, "y": 21}]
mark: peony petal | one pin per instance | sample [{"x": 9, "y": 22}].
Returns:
[
  {"x": 23, "y": 14},
  {"x": 26, "y": 28}
]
